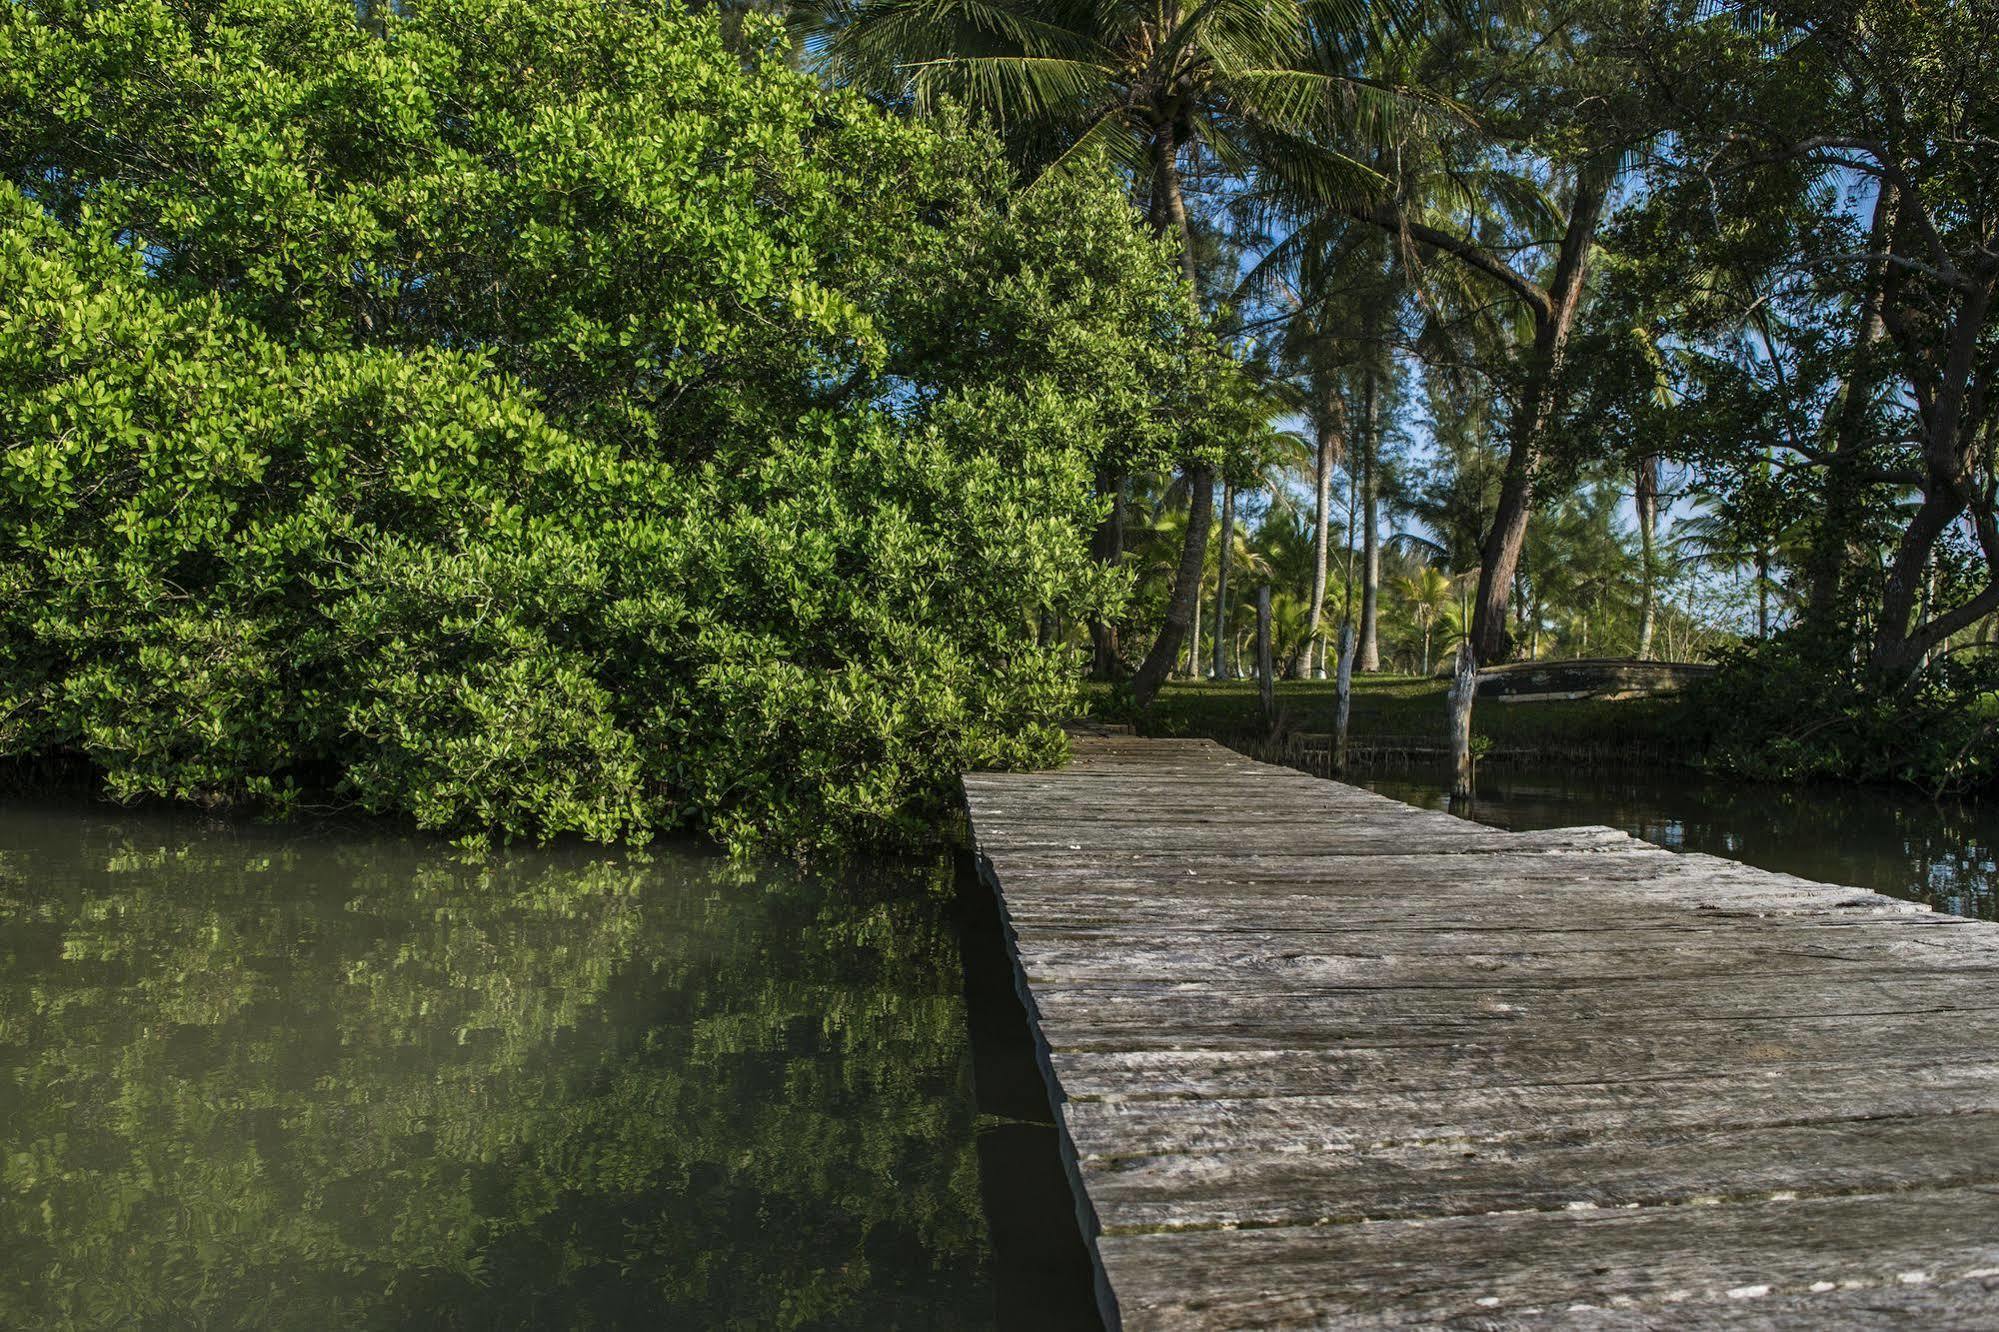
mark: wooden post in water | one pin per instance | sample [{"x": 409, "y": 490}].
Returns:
[
  {"x": 1344, "y": 685},
  {"x": 1464, "y": 686},
  {"x": 1266, "y": 677}
]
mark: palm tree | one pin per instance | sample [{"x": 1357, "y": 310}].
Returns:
[
  {"x": 1513, "y": 204},
  {"x": 1428, "y": 596},
  {"x": 1158, "y": 90},
  {"x": 1726, "y": 535}
]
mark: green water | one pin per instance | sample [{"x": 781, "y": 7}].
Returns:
[
  {"x": 319, "y": 1078},
  {"x": 1944, "y": 854}
]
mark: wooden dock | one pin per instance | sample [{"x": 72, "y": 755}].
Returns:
[{"x": 1327, "y": 1060}]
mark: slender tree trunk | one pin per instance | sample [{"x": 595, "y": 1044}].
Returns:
[
  {"x": 1194, "y": 638},
  {"x": 1647, "y": 502},
  {"x": 1370, "y": 563},
  {"x": 1169, "y": 217},
  {"x": 1330, "y": 432},
  {"x": 1222, "y": 582},
  {"x": 1367, "y": 459},
  {"x": 1762, "y": 593},
  {"x": 1353, "y": 501},
  {"x": 1158, "y": 662}
]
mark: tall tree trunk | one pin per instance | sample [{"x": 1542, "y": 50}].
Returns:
[
  {"x": 1169, "y": 217},
  {"x": 1501, "y": 556},
  {"x": 1646, "y": 499},
  {"x": 1369, "y": 451},
  {"x": 1169, "y": 209},
  {"x": 1222, "y": 582},
  {"x": 1330, "y": 429},
  {"x": 1898, "y": 643},
  {"x": 1353, "y": 503},
  {"x": 1107, "y": 547},
  {"x": 1762, "y": 593},
  {"x": 1194, "y": 637},
  {"x": 1158, "y": 662},
  {"x": 1535, "y": 407}
]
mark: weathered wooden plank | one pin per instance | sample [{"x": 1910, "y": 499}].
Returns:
[
  {"x": 1170, "y": 952},
  {"x": 1464, "y": 1118},
  {"x": 1515, "y": 1269},
  {"x": 1552, "y": 1056},
  {"x": 1740, "y": 1162},
  {"x": 1322, "y": 1059},
  {"x": 1203, "y": 1013},
  {"x": 1267, "y": 962}
]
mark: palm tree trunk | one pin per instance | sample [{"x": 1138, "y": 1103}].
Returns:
[
  {"x": 1169, "y": 216},
  {"x": 1222, "y": 582},
  {"x": 1369, "y": 657},
  {"x": 1646, "y": 500},
  {"x": 1329, "y": 431},
  {"x": 1169, "y": 209},
  {"x": 1186, "y": 586},
  {"x": 1353, "y": 499},
  {"x": 1194, "y": 637}
]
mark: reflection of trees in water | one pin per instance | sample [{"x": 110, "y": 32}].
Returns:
[
  {"x": 1883, "y": 840},
  {"x": 347, "y": 1082}
]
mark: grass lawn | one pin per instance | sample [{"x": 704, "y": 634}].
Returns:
[{"x": 1404, "y": 706}]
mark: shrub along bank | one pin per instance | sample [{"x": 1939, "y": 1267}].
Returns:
[{"x": 538, "y": 418}]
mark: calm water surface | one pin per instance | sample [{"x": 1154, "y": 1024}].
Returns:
[
  {"x": 312, "y": 1078},
  {"x": 1946, "y": 855}
]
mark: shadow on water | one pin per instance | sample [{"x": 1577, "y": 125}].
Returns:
[
  {"x": 1043, "y": 1277},
  {"x": 320, "y": 1078},
  {"x": 1946, "y": 855}
]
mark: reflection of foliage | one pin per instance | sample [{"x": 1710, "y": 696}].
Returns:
[{"x": 254, "y": 1083}]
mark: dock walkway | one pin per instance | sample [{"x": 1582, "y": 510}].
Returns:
[{"x": 1323, "y": 1059}]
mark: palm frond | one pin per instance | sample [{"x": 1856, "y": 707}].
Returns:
[
  {"x": 1109, "y": 137},
  {"x": 1011, "y": 87}
]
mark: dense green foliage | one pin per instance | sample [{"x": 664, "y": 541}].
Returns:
[
  {"x": 539, "y": 417},
  {"x": 1786, "y": 709}
]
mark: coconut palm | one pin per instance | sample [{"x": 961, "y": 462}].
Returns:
[
  {"x": 1725, "y": 535},
  {"x": 1155, "y": 88},
  {"x": 1427, "y": 593}
]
